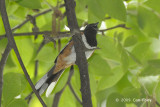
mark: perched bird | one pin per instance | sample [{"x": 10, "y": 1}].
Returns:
[{"x": 66, "y": 58}]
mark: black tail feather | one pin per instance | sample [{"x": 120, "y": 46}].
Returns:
[{"x": 45, "y": 81}]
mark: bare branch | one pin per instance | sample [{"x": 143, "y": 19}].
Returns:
[
  {"x": 57, "y": 98},
  {"x": 80, "y": 53},
  {"x": 34, "y": 16},
  {"x": 61, "y": 34},
  {"x": 71, "y": 88},
  {"x": 106, "y": 18},
  {"x": 12, "y": 43},
  {"x": 25, "y": 21},
  {"x": 2, "y": 64},
  {"x": 58, "y": 95},
  {"x": 158, "y": 104},
  {"x": 117, "y": 26}
]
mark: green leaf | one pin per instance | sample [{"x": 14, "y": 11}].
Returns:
[
  {"x": 154, "y": 63},
  {"x": 134, "y": 58},
  {"x": 115, "y": 8},
  {"x": 157, "y": 92},
  {"x": 140, "y": 50},
  {"x": 14, "y": 0},
  {"x": 130, "y": 40},
  {"x": 18, "y": 103},
  {"x": 107, "y": 81},
  {"x": 32, "y": 4},
  {"x": 124, "y": 60},
  {"x": 76, "y": 82},
  {"x": 47, "y": 54},
  {"x": 101, "y": 65},
  {"x": 14, "y": 84},
  {"x": 11, "y": 8},
  {"x": 103, "y": 94},
  {"x": 105, "y": 43},
  {"x": 135, "y": 82},
  {"x": 95, "y": 14},
  {"x": 152, "y": 68},
  {"x": 21, "y": 13},
  {"x": 67, "y": 99},
  {"x": 154, "y": 4},
  {"x": 115, "y": 100},
  {"x": 93, "y": 84},
  {"x": 62, "y": 81},
  {"x": 146, "y": 19},
  {"x": 25, "y": 48},
  {"x": 155, "y": 46},
  {"x": 149, "y": 83},
  {"x": 131, "y": 105},
  {"x": 2, "y": 47},
  {"x": 149, "y": 71},
  {"x": 94, "y": 101},
  {"x": 131, "y": 93},
  {"x": 2, "y": 31},
  {"x": 35, "y": 102}
]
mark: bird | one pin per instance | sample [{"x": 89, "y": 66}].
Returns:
[{"x": 67, "y": 58}]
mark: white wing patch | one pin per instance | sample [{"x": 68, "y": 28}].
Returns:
[
  {"x": 52, "y": 85},
  {"x": 50, "y": 88}
]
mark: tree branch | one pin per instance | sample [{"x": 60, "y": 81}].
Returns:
[
  {"x": 25, "y": 21},
  {"x": 71, "y": 88},
  {"x": 117, "y": 26},
  {"x": 61, "y": 34},
  {"x": 80, "y": 53},
  {"x": 57, "y": 98},
  {"x": 58, "y": 95},
  {"x": 2, "y": 64},
  {"x": 34, "y": 16},
  {"x": 157, "y": 103},
  {"x": 12, "y": 43}
]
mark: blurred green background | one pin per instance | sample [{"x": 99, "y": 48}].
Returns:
[{"x": 126, "y": 68}]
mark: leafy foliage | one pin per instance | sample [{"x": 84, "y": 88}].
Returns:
[{"x": 126, "y": 67}]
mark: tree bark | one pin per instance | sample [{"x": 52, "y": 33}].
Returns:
[{"x": 80, "y": 53}]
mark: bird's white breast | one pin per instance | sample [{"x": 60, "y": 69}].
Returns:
[{"x": 71, "y": 59}]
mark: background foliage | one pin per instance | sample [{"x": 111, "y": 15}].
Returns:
[{"x": 126, "y": 67}]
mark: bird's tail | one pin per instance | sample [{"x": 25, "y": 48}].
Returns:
[{"x": 48, "y": 81}]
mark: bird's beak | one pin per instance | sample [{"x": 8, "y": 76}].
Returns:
[{"x": 96, "y": 23}]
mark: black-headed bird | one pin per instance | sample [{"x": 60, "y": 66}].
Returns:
[{"x": 66, "y": 58}]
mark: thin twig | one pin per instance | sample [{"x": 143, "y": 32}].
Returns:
[
  {"x": 34, "y": 16},
  {"x": 25, "y": 21},
  {"x": 117, "y": 26},
  {"x": 2, "y": 64},
  {"x": 36, "y": 68},
  {"x": 12, "y": 43},
  {"x": 57, "y": 98},
  {"x": 71, "y": 88},
  {"x": 106, "y": 18},
  {"x": 37, "y": 62},
  {"x": 61, "y": 34},
  {"x": 157, "y": 103},
  {"x": 58, "y": 95}
]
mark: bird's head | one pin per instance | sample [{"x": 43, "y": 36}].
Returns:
[
  {"x": 90, "y": 33},
  {"x": 92, "y": 28}
]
